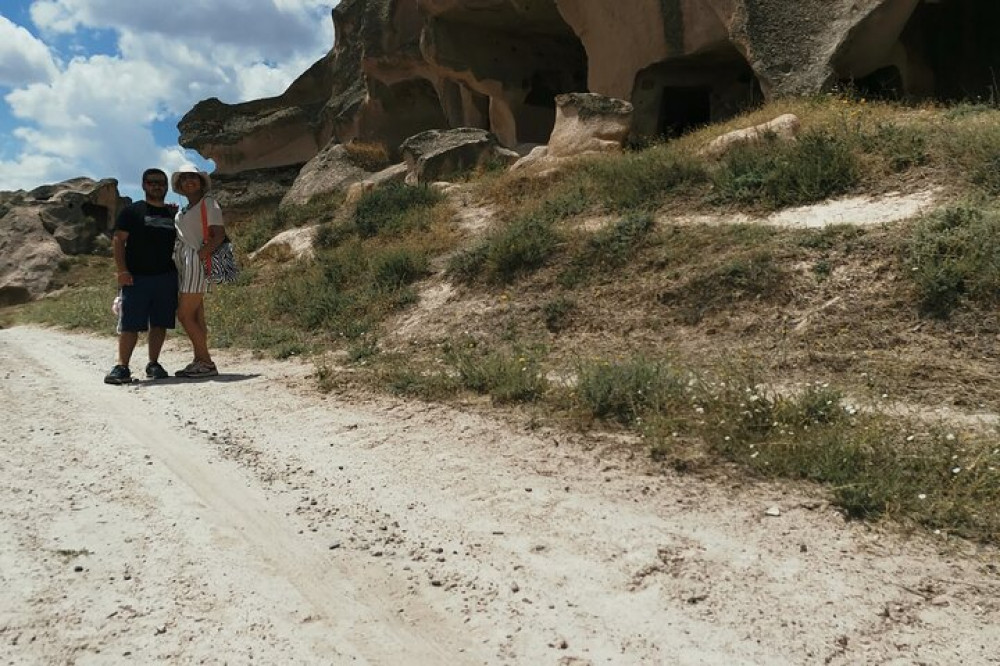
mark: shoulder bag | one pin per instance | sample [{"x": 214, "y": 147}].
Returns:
[{"x": 220, "y": 266}]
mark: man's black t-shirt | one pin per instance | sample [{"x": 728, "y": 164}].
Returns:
[{"x": 149, "y": 249}]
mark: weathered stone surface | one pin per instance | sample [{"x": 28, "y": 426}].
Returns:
[
  {"x": 784, "y": 128},
  {"x": 400, "y": 67},
  {"x": 29, "y": 256},
  {"x": 291, "y": 244},
  {"x": 331, "y": 170},
  {"x": 243, "y": 194},
  {"x": 585, "y": 123},
  {"x": 41, "y": 227},
  {"x": 394, "y": 174},
  {"x": 434, "y": 155},
  {"x": 589, "y": 123}
]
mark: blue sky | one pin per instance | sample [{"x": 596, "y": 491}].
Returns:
[{"x": 95, "y": 87}]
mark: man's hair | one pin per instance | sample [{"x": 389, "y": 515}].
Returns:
[{"x": 149, "y": 172}]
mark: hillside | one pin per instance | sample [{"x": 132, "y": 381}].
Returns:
[{"x": 820, "y": 310}]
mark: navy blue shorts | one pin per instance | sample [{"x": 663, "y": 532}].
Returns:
[{"x": 150, "y": 301}]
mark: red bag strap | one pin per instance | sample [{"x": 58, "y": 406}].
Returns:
[{"x": 204, "y": 235}]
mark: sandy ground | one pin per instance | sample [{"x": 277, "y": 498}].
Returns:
[{"x": 248, "y": 519}]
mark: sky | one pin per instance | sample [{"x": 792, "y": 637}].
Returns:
[{"x": 96, "y": 87}]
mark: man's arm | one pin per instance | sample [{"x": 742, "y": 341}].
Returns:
[{"x": 118, "y": 252}]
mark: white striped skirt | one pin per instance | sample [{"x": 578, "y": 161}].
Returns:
[{"x": 190, "y": 269}]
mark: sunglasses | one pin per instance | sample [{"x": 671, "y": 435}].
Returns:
[
  {"x": 157, "y": 183},
  {"x": 189, "y": 176}
]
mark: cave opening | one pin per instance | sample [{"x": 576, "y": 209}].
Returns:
[
  {"x": 946, "y": 51},
  {"x": 678, "y": 95}
]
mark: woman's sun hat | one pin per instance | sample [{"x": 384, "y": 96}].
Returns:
[{"x": 206, "y": 181}]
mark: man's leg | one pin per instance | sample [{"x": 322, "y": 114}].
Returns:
[
  {"x": 126, "y": 345},
  {"x": 157, "y": 334}
]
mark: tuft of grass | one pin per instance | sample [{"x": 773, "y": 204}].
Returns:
[
  {"x": 557, "y": 313},
  {"x": 641, "y": 180},
  {"x": 521, "y": 247},
  {"x": 394, "y": 208},
  {"x": 954, "y": 254},
  {"x": 505, "y": 376},
  {"x": 611, "y": 247},
  {"x": 87, "y": 308},
  {"x": 627, "y": 390},
  {"x": 752, "y": 275},
  {"x": 903, "y": 146},
  {"x": 367, "y": 155}
]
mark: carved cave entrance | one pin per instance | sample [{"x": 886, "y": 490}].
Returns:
[
  {"x": 947, "y": 51},
  {"x": 515, "y": 60},
  {"x": 678, "y": 95}
]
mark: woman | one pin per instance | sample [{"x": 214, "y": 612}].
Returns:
[{"x": 190, "y": 253}]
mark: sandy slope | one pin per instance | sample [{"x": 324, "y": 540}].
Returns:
[{"x": 249, "y": 520}]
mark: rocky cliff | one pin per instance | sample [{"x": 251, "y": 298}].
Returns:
[{"x": 400, "y": 67}]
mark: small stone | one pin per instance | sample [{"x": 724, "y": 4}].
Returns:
[{"x": 773, "y": 511}]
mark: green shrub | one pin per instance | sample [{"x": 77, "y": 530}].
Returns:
[
  {"x": 506, "y": 377},
  {"x": 557, "y": 312},
  {"x": 611, "y": 247},
  {"x": 398, "y": 267},
  {"x": 626, "y": 390},
  {"x": 641, "y": 180},
  {"x": 953, "y": 254},
  {"x": 752, "y": 276},
  {"x": 521, "y": 247},
  {"x": 386, "y": 209},
  {"x": 772, "y": 174}
]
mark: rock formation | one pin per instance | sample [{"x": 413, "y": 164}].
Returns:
[
  {"x": 38, "y": 229},
  {"x": 400, "y": 67}
]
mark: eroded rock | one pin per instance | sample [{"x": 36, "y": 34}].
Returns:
[
  {"x": 434, "y": 155},
  {"x": 401, "y": 67},
  {"x": 40, "y": 228},
  {"x": 783, "y": 128}
]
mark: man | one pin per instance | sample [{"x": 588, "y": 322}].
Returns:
[{"x": 143, "y": 247}]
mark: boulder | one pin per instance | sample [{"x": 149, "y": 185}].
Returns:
[
  {"x": 38, "y": 229},
  {"x": 394, "y": 174},
  {"x": 331, "y": 170},
  {"x": 29, "y": 255},
  {"x": 784, "y": 128},
  {"x": 290, "y": 244},
  {"x": 434, "y": 155},
  {"x": 589, "y": 123},
  {"x": 244, "y": 194}
]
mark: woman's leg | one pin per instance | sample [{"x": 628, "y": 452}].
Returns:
[
  {"x": 191, "y": 313},
  {"x": 203, "y": 327}
]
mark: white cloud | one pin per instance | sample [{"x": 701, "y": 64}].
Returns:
[
  {"x": 23, "y": 59},
  {"x": 93, "y": 115}
]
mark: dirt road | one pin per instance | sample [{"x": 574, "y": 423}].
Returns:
[{"x": 248, "y": 519}]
